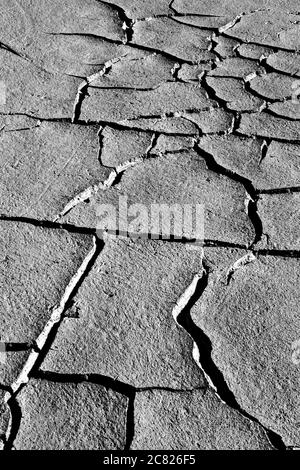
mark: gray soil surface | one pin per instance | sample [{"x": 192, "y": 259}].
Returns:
[{"x": 119, "y": 330}]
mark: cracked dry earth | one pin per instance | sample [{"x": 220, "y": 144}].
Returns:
[{"x": 132, "y": 343}]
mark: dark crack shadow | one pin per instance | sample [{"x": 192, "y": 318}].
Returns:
[
  {"x": 250, "y": 190},
  {"x": 130, "y": 422},
  {"x": 47, "y": 224},
  {"x": 127, "y": 22},
  {"x": 16, "y": 416},
  {"x": 208, "y": 366}
]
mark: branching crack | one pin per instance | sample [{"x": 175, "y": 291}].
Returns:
[
  {"x": 47, "y": 224},
  {"x": 288, "y": 190}
]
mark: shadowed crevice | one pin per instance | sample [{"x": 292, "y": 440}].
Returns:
[
  {"x": 16, "y": 347},
  {"x": 289, "y": 190},
  {"x": 210, "y": 369},
  {"x": 16, "y": 417},
  {"x": 127, "y": 22},
  {"x": 250, "y": 190},
  {"x": 48, "y": 224}
]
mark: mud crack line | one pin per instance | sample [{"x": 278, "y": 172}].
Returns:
[{"x": 203, "y": 352}]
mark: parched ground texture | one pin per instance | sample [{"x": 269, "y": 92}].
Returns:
[{"x": 109, "y": 341}]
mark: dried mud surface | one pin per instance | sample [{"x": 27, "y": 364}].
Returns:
[{"x": 109, "y": 341}]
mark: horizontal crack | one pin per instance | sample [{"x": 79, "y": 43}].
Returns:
[
  {"x": 48, "y": 224},
  {"x": 83, "y": 87},
  {"x": 254, "y": 43},
  {"x": 288, "y": 190},
  {"x": 277, "y": 253},
  {"x": 124, "y": 234},
  {"x": 16, "y": 347},
  {"x": 120, "y": 125},
  {"x": 257, "y": 133},
  {"x": 206, "y": 243},
  {"x": 105, "y": 381},
  {"x": 140, "y": 47}
]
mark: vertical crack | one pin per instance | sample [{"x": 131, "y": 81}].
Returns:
[
  {"x": 152, "y": 145},
  {"x": 45, "y": 339},
  {"x": 251, "y": 195},
  {"x": 236, "y": 122},
  {"x": 130, "y": 420},
  {"x": 82, "y": 92},
  {"x": 101, "y": 138},
  {"x": 203, "y": 353},
  {"x": 264, "y": 149},
  {"x": 252, "y": 211},
  {"x": 127, "y": 22},
  {"x": 15, "y": 422}
]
